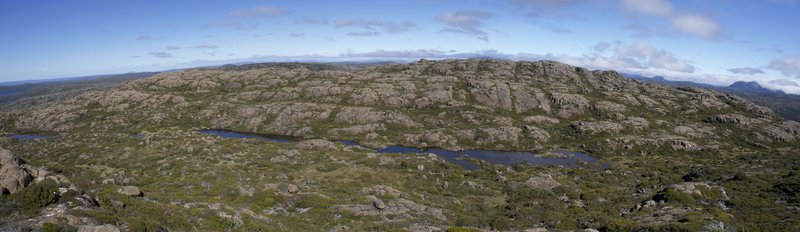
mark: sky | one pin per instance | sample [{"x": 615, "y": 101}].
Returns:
[{"x": 708, "y": 41}]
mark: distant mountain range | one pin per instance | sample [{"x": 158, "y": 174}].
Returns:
[
  {"x": 786, "y": 105},
  {"x": 31, "y": 94}
]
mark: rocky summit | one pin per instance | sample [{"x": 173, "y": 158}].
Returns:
[{"x": 131, "y": 158}]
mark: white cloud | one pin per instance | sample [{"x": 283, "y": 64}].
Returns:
[
  {"x": 160, "y": 54},
  {"x": 746, "y": 71},
  {"x": 691, "y": 24},
  {"x": 601, "y": 47},
  {"x": 364, "y": 33},
  {"x": 653, "y": 57},
  {"x": 295, "y": 35},
  {"x": 698, "y": 26},
  {"x": 173, "y": 47},
  {"x": 206, "y": 46},
  {"x": 554, "y": 9},
  {"x": 421, "y": 53},
  {"x": 377, "y": 24},
  {"x": 310, "y": 21},
  {"x": 258, "y": 12},
  {"x": 787, "y": 86},
  {"x": 789, "y": 66},
  {"x": 649, "y": 7},
  {"x": 465, "y": 22}
]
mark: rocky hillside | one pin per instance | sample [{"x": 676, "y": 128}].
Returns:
[{"x": 678, "y": 158}]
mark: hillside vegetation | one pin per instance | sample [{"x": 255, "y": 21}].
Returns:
[{"x": 678, "y": 158}]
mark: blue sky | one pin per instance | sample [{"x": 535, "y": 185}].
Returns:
[{"x": 709, "y": 41}]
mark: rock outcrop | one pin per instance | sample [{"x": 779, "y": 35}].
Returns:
[{"x": 14, "y": 174}]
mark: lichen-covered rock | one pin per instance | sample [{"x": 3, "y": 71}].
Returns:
[
  {"x": 537, "y": 133},
  {"x": 526, "y": 99},
  {"x": 13, "y": 175},
  {"x": 730, "y": 118},
  {"x": 637, "y": 123},
  {"x": 569, "y": 101},
  {"x": 543, "y": 181},
  {"x": 690, "y": 187},
  {"x": 609, "y": 106},
  {"x": 499, "y": 135},
  {"x": 291, "y": 188},
  {"x": 132, "y": 191},
  {"x": 539, "y": 119},
  {"x": 98, "y": 228},
  {"x": 683, "y": 145},
  {"x": 491, "y": 93}
]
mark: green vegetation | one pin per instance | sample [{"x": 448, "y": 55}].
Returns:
[{"x": 670, "y": 168}]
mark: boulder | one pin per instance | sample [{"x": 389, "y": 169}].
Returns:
[
  {"x": 13, "y": 175},
  {"x": 132, "y": 191},
  {"x": 538, "y": 119},
  {"x": 109, "y": 181},
  {"x": 101, "y": 228},
  {"x": 378, "y": 204},
  {"x": 543, "y": 181},
  {"x": 683, "y": 145},
  {"x": 292, "y": 189}
]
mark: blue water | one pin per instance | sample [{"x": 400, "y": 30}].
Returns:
[
  {"x": 26, "y": 138},
  {"x": 495, "y": 157}
]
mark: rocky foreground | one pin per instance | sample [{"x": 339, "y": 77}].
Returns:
[{"x": 678, "y": 158}]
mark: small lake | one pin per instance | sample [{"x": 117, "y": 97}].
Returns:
[
  {"x": 570, "y": 159},
  {"x": 26, "y": 138}
]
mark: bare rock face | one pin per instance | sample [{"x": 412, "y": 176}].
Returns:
[
  {"x": 363, "y": 115},
  {"x": 607, "y": 106},
  {"x": 730, "y": 118},
  {"x": 636, "y": 123},
  {"x": 500, "y": 135},
  {"x": 528, "y": 98},
  {"x": 569, "y": 101},
  {"x": 785, "y": 131},
  {"x": 537, "y": 133},
  {"x": 13, "y": 175},
  {"x": 491, "y": 93}
]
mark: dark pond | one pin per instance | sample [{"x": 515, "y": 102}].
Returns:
[
  {"x": 245, "y": 135},
  {"x": 570, "y": 159},
  {"x": 26, "y": 138}
]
